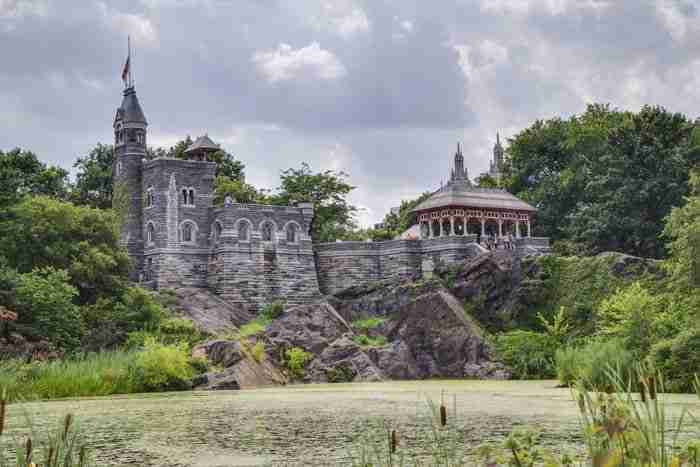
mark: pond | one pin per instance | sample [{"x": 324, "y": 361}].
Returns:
[{"x": 303, "y": 424}]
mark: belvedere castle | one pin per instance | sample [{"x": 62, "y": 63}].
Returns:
[{"x": 251, "y": 255}]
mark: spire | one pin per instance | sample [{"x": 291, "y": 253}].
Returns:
[{"x": 459, "y": 172}]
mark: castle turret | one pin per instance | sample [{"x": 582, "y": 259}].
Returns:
[
  {"x": 497, "y": 165},
  {"x": 459, "y": 172},
  {"x": 129, "y": 150}
]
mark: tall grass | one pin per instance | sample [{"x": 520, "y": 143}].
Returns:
[
  {"x": 156, "y": 367},
  {"x": 94, "y": 375}
]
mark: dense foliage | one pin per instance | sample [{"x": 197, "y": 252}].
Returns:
[{"x": 606, "y": 179}]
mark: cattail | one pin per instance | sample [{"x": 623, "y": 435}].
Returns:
[
  {"x": 82, "y": 456},
  {"x": 66, "y": 426},
  {"x": 28, "y": 452},
  {"x": 50, "y": 457},
  {"x": 3, "y": 408},
  {"x": 652, "y": 388},
  {"x": 643, "y": 389},
  {"x": 394, "y": 441},
  {"x": 443, "y": 415}
]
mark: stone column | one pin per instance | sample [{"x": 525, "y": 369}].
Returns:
[
  {"x": 452, "y": 225},
  {"x": 464, "y": 230},
  {"x": 483, "y": 227},
  {"x": 441, "y": 228},
  {"x": 517, "y": 229},
  {"x": 500, "y": 227},
  {"x": 528, "y": 227}
]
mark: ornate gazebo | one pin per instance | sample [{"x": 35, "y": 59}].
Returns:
[{"x": 459, "y": 208}]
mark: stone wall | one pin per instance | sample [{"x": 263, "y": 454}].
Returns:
[
  {"x": 347, "y": 264},
  {"x": 246, "y": 270}
]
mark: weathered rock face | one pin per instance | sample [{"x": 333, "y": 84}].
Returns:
[
  {"x": 212, "y": 314},
  {"x": 240, "y": 371},
  {"x": 427, "y": 335}
]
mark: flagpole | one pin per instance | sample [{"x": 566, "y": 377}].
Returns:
[{"x": 131, "y": 81}]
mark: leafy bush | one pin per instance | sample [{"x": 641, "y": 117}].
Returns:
[
  {"x": 529, "y": 354},
  {"x": 272, "y": 311},
  {"x": 160, "y": 367},
  {"x": 340, "y": 374},
  {"x": 634, "y": 315},
  {"x": 45, "y": 297},
  {"x": 592, "y": 363},
  {"x": 368, "y": 341},
  {"x": 253, "y": 328},
  {"x": 678, "y": 359},
  {"x": 170, "y": 331},
  {"x": 296, "y": 359}
]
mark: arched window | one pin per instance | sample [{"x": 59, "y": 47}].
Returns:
[
  {"x": 243, "y": 231},
  {"x": 267, "y": 232},
  {"x": 149, "y": 197},
  {"x": 150, "y": 233},
  {"x": 291, "y": 233},
  {"x": 119, "y": 168},
  {"x": 188, "y": 232},
  {"x": 149, "y": 268},
  {"x": 188, "y": 197},
  {"x": 217, "y": 230}
]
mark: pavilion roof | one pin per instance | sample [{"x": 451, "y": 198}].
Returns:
[
  {"x": 203, "y": 143},
  {"x": 460, "y": 193}
]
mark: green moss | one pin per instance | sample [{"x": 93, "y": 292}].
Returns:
[
  {"x": 365, "y": 341},
  {"x": 340, "y": 374},
  {"x": 366, "y": 324}
]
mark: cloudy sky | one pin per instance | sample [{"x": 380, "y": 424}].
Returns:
[{"x": 380, "y": 89}]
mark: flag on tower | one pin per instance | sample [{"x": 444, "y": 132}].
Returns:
[{"x": 126, "y": 71}]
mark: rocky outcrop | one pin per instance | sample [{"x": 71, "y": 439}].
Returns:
[
  {"x": 209, "y": 312},
  {"x": 241, "y": 370},
  {"x": 427, "y": 335}
]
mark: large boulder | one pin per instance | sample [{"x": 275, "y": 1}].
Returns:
[
  {"x": 431, "y": 337},
  {"x": 210, "y": 313},
  {"x": 240, "y": 369},
  {"x": 311, "y": 327}
]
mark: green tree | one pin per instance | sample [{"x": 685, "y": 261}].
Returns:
[
  {"x": 396, "y": 223},
  {"x": 93, "y": 186},
  {"x": 327, "y": 191},
  {"x": 240, "y": 191},
  {"x": 21, "y": 173},
  {"x": 43, "y": 232},
  {"x": 605, "y": 179},
  {"x": 45, "y": 299},
  {"x": 486, "y": 181}
]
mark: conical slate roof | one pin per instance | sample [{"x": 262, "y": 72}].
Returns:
[
  {"x": 130, "y": 111},
  {"x": 203, "y": 143},
  {"x": 460, "y": 193}
]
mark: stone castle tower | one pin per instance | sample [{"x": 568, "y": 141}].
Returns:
[
  {"x": 248, "y": 254},
  {"x": 129, "y": 149}
]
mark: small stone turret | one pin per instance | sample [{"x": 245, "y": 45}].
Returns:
[
  {"x": 497, "y": 165},
  {"x": 459, "y": 172}
]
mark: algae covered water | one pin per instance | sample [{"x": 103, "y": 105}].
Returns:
[{"x": 313, "y": 424}]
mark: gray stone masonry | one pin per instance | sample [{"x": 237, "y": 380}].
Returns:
[{"x": 348, "y": 264}]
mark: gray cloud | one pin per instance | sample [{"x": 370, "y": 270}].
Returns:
[{"x": 382, "y": 90}]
